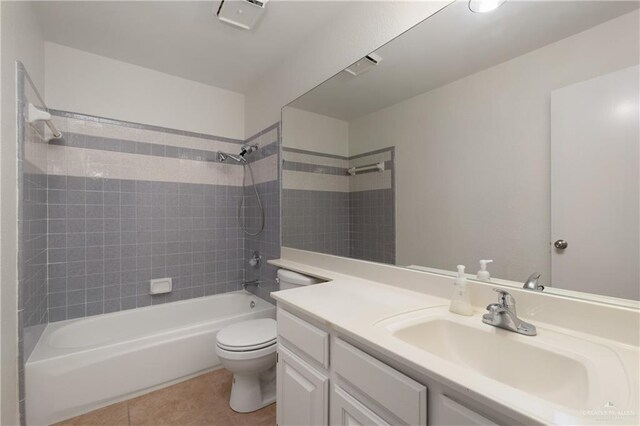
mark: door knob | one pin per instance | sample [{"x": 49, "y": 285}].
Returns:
[{"x": 561, "y": 244}]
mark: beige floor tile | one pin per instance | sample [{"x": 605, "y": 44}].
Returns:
[
  {"x": 112, "y": 415},
  {"x": 203, "y": 400}
]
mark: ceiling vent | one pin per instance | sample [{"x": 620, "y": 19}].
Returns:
[
  {"x": 364, "y": 64},
  {"x": 241, "y": 13}
]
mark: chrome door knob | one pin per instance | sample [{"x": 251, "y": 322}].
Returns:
[{"x": 561, "y": 244}]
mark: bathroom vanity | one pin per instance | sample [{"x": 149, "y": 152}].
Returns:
[
  {"x": 355, "y": 351},
  {"x": 360, "y": 385}
]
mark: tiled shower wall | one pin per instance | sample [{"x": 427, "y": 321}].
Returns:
[
  {"x": 372, "y": 225},
  {"x": 316, "y": 220},
  {"x": 326, "y": 210},
  {"x": 268, "y": 241},
  {"x": 32, "y": 228},
  {"x": 128, "y": 203},
  {"x": 109, "y": 237},
  {"x": 32, "y": 224}
]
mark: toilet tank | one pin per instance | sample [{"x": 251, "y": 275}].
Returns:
[{"x": 290, "y": 279}]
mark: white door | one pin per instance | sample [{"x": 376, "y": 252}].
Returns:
[
  {"x": 302, "y": 392},
  {"x": 348, "y": 411},
  {"x": 595, "y": 185}
]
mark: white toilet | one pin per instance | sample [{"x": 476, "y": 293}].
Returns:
[{"x": 248, "y": 350}]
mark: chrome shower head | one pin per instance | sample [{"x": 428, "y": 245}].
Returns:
[{"x": 247, "y": 149}]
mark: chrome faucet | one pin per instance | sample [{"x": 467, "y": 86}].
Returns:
[
  {"x": 503, "y": 315},
  {"x": 252, "y": 283},
  {"x": 532, "y": 283}
]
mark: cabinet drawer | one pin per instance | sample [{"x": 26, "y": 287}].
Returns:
[
  {"x": 403, "y": 397},
  {"x": 454, "y": 414},
  {"x": 305, "y": 337}
]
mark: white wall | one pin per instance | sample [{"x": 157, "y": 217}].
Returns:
[
  {"x": 83, "y": 82},
  {"x": 360, "y": 29},
  {"x": 472, "y": 157},
  {"x": 314, "y": 132},
  {"x": 20, "y": 39}
]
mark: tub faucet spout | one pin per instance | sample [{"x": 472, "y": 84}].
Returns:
[{"x": 252, "y": 283}]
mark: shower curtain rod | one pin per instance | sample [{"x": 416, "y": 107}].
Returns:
[{"x": 377, "y": 166}]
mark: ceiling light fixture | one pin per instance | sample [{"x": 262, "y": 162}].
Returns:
[{"x": 484, "y": 6}]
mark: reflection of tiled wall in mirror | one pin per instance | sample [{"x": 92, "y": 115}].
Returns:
[{"x": 329, "y": 211}]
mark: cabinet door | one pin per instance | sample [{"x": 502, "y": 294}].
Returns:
[
  {"x": 348, "y": 411},
  {"x": 302, "y": 392}
]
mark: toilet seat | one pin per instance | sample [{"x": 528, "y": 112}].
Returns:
[
  {"x": 246, "y": 355},
  {"x": 247, "y": 336},
  {"x": 246, "y": 348}
]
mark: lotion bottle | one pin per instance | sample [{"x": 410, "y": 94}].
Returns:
[
  {"x": 483, "y": 274},
  {"x": 460, "y": 300}
]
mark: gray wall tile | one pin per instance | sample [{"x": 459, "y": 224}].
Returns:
[
  {"x": 269, "y": 241},
  {"x": 358, "y": 224},
  {"x": 108, "y": 259}
]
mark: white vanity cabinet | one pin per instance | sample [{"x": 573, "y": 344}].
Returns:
[
  {"x": 324, "y": 380},
  {"x": 363, "y": 390},
  {"x": 302, "y": 373}
]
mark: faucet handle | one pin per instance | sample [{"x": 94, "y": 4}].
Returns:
[
  {"x": 494, "y": 308},
  {"x": 505, "y": 298}
]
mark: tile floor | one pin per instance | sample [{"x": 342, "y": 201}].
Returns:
[{"x": 203, "y": 400}]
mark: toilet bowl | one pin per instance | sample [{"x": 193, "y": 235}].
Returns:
[{"x": 248, "y": 350}]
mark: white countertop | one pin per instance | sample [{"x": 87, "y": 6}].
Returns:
[{"x": 353, "y": 306}]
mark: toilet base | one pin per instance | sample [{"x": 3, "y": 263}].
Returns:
[{"x": 251, "y": 392}]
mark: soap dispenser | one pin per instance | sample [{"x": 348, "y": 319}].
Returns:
[
  {"x": 483, "y": 274},
  {"x": 460, "y": 300}
]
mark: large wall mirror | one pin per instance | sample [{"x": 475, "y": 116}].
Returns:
[{"x": 511, "y": 136}]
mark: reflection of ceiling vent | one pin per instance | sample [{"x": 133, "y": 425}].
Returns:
[
  {"x": 241, "y": 13},
  {"x": 364, "y": 64}
]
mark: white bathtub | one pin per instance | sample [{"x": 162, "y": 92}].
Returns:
[{"x": 83, "y": 364}]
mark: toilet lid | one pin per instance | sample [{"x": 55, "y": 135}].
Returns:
[{"x": 248, "y": 335}]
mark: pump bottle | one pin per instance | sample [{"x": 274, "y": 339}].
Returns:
[
  {"x": 460, "y": 300},
  {"x": 483, "y": 274}
]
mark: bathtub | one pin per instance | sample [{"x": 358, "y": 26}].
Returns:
[{"x": 83, "y": 364}]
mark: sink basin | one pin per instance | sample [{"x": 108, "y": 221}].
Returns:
[
  {"x": 553, "y": 366},
  {"x": 509, "y": 361}
]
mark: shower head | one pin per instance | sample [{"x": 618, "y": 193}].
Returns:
[
  {"x": 244, "y": 150},
  {"x": 246, "y": 167},
  {"x": 247, "y": 149}
]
